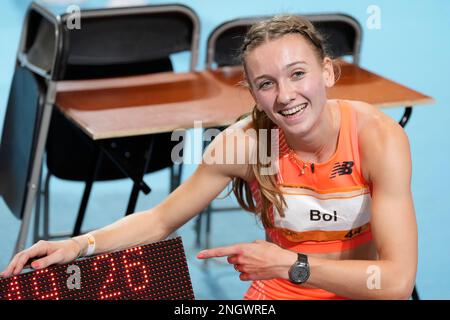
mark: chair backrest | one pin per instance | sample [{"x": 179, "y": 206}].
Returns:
[
  {"x": 342, "y": 34},
  {"x": 40, "y": 42},
  {"x": 110, "y": 42},
  {"x": 22, "y": 119}
]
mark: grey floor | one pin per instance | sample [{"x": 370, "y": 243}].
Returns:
[{"x": 410, "y": 47}]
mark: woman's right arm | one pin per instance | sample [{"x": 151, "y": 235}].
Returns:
[{"x": 140, "y": 228}]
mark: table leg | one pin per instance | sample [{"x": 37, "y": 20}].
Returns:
[
  {"x": 87, "y": 191},
  {"x": 126, "y": 170},
  {"x": 406, "y": 115},
  {"x": 139, "y": 177}
]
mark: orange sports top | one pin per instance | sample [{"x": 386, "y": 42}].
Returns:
[{"x": 328, "y": 208}]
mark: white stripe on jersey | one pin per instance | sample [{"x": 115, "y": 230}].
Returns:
[{"x": 308, "y": 211}]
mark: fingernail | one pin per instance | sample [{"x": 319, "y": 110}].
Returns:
[
  {"x": 201, "y": 255},
  {"x": 35, "y": 265}
]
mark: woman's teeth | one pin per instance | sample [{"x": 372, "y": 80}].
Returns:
[{"x": 292, "y": 111}]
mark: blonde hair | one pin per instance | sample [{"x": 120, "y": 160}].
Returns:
[{"x": 259, "y": 33}]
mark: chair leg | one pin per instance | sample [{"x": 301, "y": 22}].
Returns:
[
  {"x": 198, "y": 222},
  {"x": 172, "y": 178},
  {"x": 46, "y": 219},
  {"x": 86, "y": 194},
  {"x": 82, "y": 209},
  {"x": 198, "y": 228},
  {"x": 180, "y": 173},
  {"x": 133, "y": 199},
  {"x": 415, "y": 294},
  {"x": 37, "y": 211},
  {"x": 175, "y": 176},
  {"x": 208, "y": 227},
  {"x": 208, "y": 213},
  {"x": 26, "y": 217}
]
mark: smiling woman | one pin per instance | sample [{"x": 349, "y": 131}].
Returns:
[
  {"x": 327, "y": 196},
  {"x": 338, "y": 211}
]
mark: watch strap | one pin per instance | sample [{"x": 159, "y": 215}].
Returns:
[{"x": 302, "y": 258}]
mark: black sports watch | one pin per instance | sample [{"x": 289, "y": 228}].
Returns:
[{"x": 299, "y": 271}]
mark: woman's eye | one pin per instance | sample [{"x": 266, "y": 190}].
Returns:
[
  {"x": 264, "y": 84},
  {"x": 298, "y": 74}
]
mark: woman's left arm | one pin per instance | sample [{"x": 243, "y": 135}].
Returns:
[{"x": 386, "y": 156}]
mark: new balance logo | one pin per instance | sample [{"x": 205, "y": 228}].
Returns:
[{"x": 341, "y": 168}]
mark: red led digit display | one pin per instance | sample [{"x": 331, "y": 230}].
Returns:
[
  {"x": 13, "y": 290},
  {"x": 155, "y": 271},
  {"x": 44, "y": 285},
  {"x": 134, "y": 282},
  {"x": 105, "y": 265}
]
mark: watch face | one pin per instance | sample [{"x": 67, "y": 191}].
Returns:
[{"x": 299, "y": 273}]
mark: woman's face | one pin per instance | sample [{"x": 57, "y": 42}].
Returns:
[{"x": 289, "y": 83}]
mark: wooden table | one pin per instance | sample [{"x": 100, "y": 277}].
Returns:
[{"x": 137, "y": 105}]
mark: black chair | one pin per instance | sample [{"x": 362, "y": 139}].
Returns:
[
  {"x": 20, "y": 148},
  {"x": 110, "y": 43},
  {"x": 342, "y": 34},
  {"x": 17, "y": 147}
]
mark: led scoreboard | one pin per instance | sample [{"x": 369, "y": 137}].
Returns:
[{"x": 155, "y": 271}]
